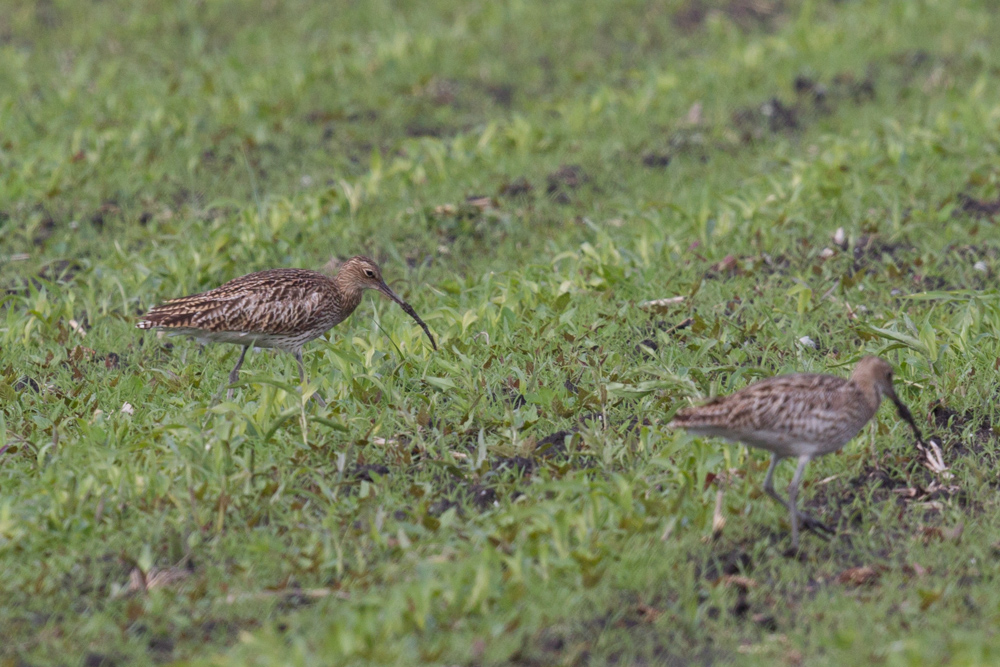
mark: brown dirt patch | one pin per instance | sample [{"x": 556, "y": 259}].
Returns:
[{"x": 979, "y": 208}]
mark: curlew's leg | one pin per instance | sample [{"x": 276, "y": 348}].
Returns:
[
  {"x": 769, "y": 482},
  {"x": 793, "y": 492},
  {"x": 805, "y": 521},
  {"x": 302, "y": 377},
  {"x": 234, "y": 375}
]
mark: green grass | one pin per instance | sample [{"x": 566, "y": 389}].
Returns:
[{"x": 527, "y": 174}]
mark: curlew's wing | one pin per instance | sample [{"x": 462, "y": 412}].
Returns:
[
  {"x": 773, "y": 404},
  {"x": 279, "y": 301}
]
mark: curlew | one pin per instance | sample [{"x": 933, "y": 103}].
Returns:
[
  {"x": 799, "y": 416},
  {"x": 280, "y": 308}
]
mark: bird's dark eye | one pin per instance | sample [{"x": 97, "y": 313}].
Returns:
[{"x": 369, "y": 273}]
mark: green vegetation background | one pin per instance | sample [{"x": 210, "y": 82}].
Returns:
[{"x": 527, "y": 173}]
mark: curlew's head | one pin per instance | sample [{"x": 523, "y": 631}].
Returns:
[
  {"x": 874, "y": 376},
  {"x": 360, "y": 273}
]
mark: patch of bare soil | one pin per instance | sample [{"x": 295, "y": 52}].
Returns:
[
  {"x": 812, "y": 99},
  {"x": 631, "y": 632},
  {"x": 564, "y": 180},
  {"x": 979, "y": 208},
  {"x": 518, "y": 187},
  {"x": 966, "y": 435},
  {"x": 871, "y": 250}
]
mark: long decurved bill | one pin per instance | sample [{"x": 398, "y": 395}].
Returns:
[
  {"x": 408, "y": 309},
  {"x": 905, "y": 415}
]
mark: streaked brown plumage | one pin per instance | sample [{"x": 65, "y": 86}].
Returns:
[
  {"x": 798, "y": 415},
  {"x": 279, "y": 308}
]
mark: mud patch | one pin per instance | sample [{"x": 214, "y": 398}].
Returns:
[
  {"x": 736, "y": 561},
  {"x": 979, "y": 208},
  {"x": 43, "y": 231},
  {"x": 519, "y": 464},
  {"x": 752, "y": 123},
  {"x": 60, "y": 270},
  {"x": 631, "y": 633},
  {"x": 365, "y": 472},
  {"x": 554, "y": 444},
  {"x": 982, "y": 445},
  {"x": 417, "y": 130},
  {"x": 813, "y": 99},
  {"x": 502, "y": 94},
  {"x": 105, "y": 212},
  {"x": 101, "y": 660},
  {"x": 25, "y": 383},
  {"x": 519, "y": 187},
  {"x": 563, "y": 181},
  {"x": 655, "y": 160}
]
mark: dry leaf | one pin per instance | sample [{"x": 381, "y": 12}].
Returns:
[
  {"x": 718, "y": 521},
  {"x": 927, "y": 598},
  {"x": 649, "y": 614},
  {"x": 314, "y": 593},
  {"x": 927, "y": 533},
  {"x": 934, "y": 458},
  {"x": 954, "y": 533},
  {"x": 694, "y": 114},
  {"x": 155, "y": 578},
  {"x": 661, "y": 305},
  {"x": 482, "y": 203},
  {"x": 915, "y": 570},
  {"x": 736, "y": 580},
  {"x": 860, "y": 576}
]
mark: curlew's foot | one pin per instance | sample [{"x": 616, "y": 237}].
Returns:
[
  {"x": 794, "y": 553},
  {"x": 816, "y": 526}
]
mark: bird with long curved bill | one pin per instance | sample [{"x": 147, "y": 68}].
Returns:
[
  {"x": 800, "y": 416},
  {"x": 280, "y": 308}
]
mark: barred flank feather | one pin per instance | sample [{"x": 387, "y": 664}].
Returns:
[
  {"x": 280, "y": 308},
  {"x": 288, "y": 305}
]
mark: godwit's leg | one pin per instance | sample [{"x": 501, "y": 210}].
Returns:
[
  {"x": 234, "y": 375},
  {"x": 302, "y": 378}
]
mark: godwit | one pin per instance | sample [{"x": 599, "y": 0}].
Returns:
[
  {"x": 279, "y": 308},
  {"x": 799, "y": 415}
]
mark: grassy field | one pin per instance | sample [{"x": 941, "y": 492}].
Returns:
[{"x": 817, "y": 180}]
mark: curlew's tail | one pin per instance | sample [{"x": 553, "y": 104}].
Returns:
[{"x": 713, "y": 413}]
